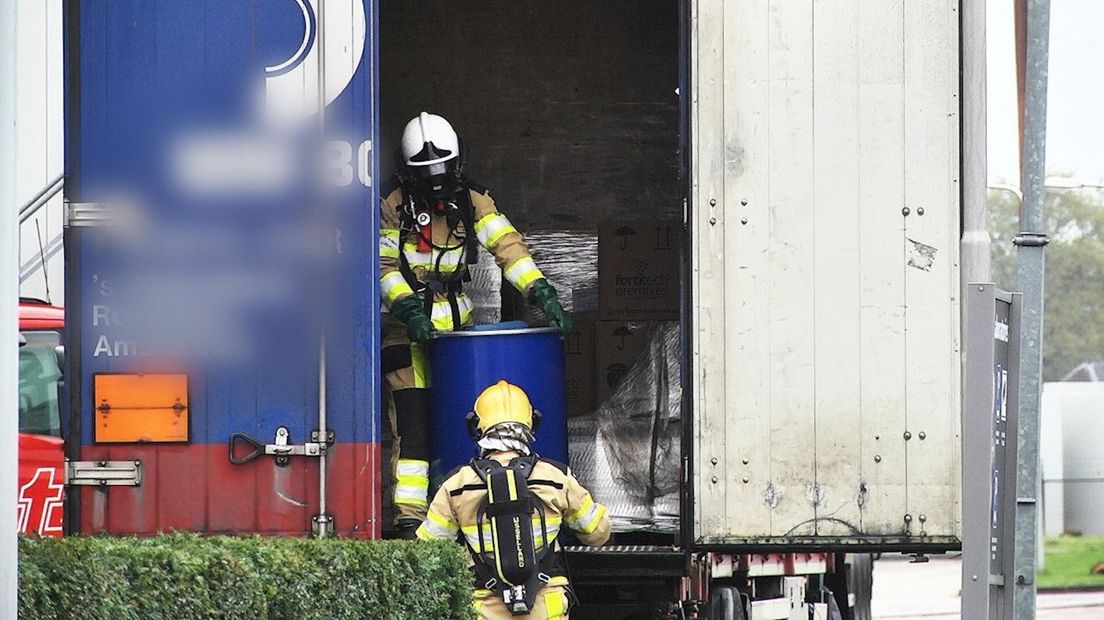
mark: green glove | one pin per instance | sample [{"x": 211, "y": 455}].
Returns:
[
  {"x": 411, "y": 312},
  {"x": 543, "y": 295}
]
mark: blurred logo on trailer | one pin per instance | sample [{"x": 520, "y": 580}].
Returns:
[
  {"x": 263, "y": 161},
  {"x": 292, "y": 85}
]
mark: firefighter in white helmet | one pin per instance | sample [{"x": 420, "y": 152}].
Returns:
[
  {"x": 433, "y": 220},
  {"x": 483, "y": 502}
]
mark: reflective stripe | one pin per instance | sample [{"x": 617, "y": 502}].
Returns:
[
  {"x": 393, "y": 287},
  {"x": 555, "y": 605},
  {"x": 450, "y": 261},
  {"x": 471, "y": 534},
  {"x": 414, "y": 257},
  {"x": 412, "y": 485},
  {"x": 389, "y": 243},
  {"x": 585, "y": 520},
  {"x": 412, "y": 467},
  {"x": 421, "y": 482},
  {"x": 437, "y": 526},
  {"x": 411, "y": 496},
  {"x": 442, "y": 312},
  {"x": 493, "y": 227},
  {"x": 523, "y": 273}
]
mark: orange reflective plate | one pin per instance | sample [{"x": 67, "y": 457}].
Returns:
[{"x": 137, "y": 408}]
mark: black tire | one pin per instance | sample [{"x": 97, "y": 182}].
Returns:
[
  {"x": 725, "y": 603},
  {"x": 860, "y": 582}
]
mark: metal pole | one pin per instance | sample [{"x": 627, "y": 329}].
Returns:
[
  {"x": 977, "y": 315},
  {"x": 9, "y": 319},
  {"x": 323, "y": 461},
  {"x": 28, "y": 210},
  {"x": 975, "y": 230},
  {"x": 1019, "y": 10},
  {"x": 977, "y": 303},
  {"x": 1031, "y": 267}
]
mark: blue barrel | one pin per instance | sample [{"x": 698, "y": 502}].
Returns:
[{"x": 466, "y": 363}]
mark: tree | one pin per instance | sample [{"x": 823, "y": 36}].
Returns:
[{"x": 1073, "y": 311}]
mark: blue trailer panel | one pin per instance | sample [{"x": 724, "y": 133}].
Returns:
[{"x": 222, "y": 226}]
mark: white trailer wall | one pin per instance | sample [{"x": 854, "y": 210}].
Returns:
[
  {"x": 825, "y": 235},
  {"x": 1073, "y": 461},
  {"x": 1050, "y": 454},
  {"x": 39, "y": 143}
]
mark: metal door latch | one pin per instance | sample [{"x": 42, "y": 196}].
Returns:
[
  {"x": 104, "y": 473},
  {"x": 281, "y": 448}
]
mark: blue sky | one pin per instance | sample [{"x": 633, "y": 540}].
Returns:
[{"x": 1075, "y": 106}]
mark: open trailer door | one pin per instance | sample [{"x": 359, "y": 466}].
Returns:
[
  {"x": 221, "y": 238},
  {"x": 825, "y": 166}
]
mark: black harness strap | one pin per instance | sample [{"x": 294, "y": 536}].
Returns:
[
  {"x": 466, "y": 488},
  {"x": 453, "y": 283}
]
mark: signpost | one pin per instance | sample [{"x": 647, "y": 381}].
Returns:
[{"x": 989, "y": 452}]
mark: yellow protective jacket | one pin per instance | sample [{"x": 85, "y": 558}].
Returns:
[
  {"x": 494, "y": 231},
  {"x": 455, "y": 508}
]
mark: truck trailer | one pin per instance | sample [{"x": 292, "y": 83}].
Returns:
[{"x": 805, "y": 160}]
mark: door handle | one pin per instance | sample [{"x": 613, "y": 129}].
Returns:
[{"x": 281, "y": 448}]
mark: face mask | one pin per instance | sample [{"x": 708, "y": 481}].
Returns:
[{"x": 436, "y": 182}]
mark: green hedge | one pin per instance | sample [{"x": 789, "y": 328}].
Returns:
[{"x": 183, "y": 577}]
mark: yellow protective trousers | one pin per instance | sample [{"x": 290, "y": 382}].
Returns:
[
  {"x": 551, "y": 604},
  {"x": 406, "y": 373}
]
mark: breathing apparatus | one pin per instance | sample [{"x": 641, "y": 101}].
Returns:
[
  {"x": 431, "y": 162},
  {"x": 519, "y": 569}
]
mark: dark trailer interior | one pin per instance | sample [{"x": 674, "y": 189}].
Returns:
[
  {"x": 570, "y": 109},
  {"x": 570, "y": 112}
]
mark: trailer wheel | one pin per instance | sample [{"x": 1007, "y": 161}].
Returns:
[
  {"x": 860, "y": 582},
  {"x": 725, "y": 603}
]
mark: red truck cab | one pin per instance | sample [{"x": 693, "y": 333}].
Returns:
[{"x": 41, "y": 451}]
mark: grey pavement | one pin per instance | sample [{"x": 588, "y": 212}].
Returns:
[{"x": 905, "y": 591}]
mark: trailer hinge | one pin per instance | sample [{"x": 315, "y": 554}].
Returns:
[
  {"x": 281, "y": 448},
  {"x": 85, "y": 214},
  {"x": 104, "y": 473}
]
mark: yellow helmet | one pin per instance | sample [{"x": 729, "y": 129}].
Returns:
[{"x": 501, "y": 402}]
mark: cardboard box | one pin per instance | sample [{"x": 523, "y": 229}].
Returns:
[
  {"x": 638, "y": 270},
  {"x": 579, "y": 367},
  {"x": 618, "y": 346}
]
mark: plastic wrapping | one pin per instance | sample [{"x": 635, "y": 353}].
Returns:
[
  {"x": 569, "y": 260},
  {"x": 628, "y": 451},
  {"x": 485, "y": 289}
]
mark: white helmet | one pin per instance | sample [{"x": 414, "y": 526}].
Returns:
[{"x": 429, "y": 139}]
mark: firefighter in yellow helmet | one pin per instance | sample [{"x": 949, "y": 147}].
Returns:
[
  {"x": 433, "y": 219},
  {"x": 484, "y": 501}
]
